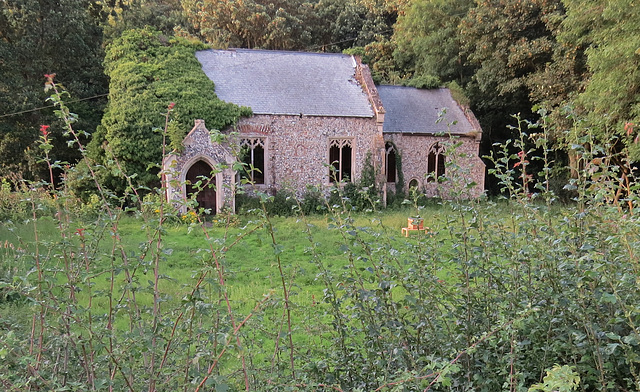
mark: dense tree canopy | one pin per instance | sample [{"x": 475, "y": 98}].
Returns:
[
  {"x": 428, "y": 42},
  {"x": 507, "y": 43},
  {"x": 122, "y": 15},
  {"x": 507, "y": 55},
  {"x": 40, "y": 37},
  {"x": 610, "y": 99},
  {"x": 264, "y": 24},
  {"x": 343, "y": 24},
  {"x": 325, "y": 25}
]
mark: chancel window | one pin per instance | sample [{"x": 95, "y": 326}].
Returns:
[
  {"x": 252, "y": 156},
  {"x": 436, "y": 162},
  {"x": 340, "y": 158},
  {"x": 391, "y": 162}
]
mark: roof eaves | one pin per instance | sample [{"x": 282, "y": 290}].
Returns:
[
  {"x": 312, "y": 114},
  {"x": 434, "y": 133}
]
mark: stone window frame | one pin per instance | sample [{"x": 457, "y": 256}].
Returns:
[
  {"x": 436, "y": 162},
  {"x": 341, "y": 142},
  {"x": 251, "y": 141}
]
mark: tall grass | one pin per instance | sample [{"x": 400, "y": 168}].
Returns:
[{"x": 500, "y": 295}]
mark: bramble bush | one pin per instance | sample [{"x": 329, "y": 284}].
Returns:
[{"x": 516, "y": 294}]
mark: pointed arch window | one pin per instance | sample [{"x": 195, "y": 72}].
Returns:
[
  {"x": 391, "y": 168},
  {"x": 253, "y": 157},
  {"x": 436, "y": 160},
  {"x": 341, "y": 158}
]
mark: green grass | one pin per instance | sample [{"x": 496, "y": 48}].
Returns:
[
  {"x": 251, "y": 269},
  {"x": 358, "y": 289}
]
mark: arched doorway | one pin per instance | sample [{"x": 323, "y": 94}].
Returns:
[{"x": 206, "y": 192}]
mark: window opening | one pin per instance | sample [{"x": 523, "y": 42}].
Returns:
[
  {"x": 436, "y": 163},
  {"x": 391, "y": 162},
  {"x": 340, "y": 154},
  {"x": 253, "y": 157}
]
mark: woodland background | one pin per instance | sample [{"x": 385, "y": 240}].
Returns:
[
  {"x": 576, "y": 59},
  {"x": 106, "y": 287}
]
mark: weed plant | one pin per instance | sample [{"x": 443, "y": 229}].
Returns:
[{"x": 499, "y": 295}]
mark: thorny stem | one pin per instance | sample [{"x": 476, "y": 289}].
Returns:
[
  {"x": 474, "y": 345},
  {"x": 41, "y": 315},
  {"x": 221, "y": 281},
  {"x": 50, "y": 167},
  {"x": 285, "y": 291},
  {"x": 156, "y": 273},
  {"x": 236, "y": 329},
  {"x": 65, "y": 114},
  {"x": 436, "y": 375},
  {"x": 324, "y": 272}
]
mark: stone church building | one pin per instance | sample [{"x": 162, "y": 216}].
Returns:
[{"x": 318, "y": 119}]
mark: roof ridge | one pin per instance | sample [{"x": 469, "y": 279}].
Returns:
[{"x": 292, "y": 52}]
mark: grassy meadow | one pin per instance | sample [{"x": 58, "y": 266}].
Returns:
[
  {"x": 250, "y": 267},
  {"x": 494, "y": 296}
]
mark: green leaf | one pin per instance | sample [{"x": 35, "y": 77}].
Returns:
[
  {"x": 221, "y": 387},
  {"x": 609, "y": 298}
]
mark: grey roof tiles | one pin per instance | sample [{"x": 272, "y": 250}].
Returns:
[
  {"x": 412, "y": 110},
  {"x": 290, "y": 83}
]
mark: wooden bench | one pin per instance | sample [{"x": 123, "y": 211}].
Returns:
[{"x": 414, "y": 224}]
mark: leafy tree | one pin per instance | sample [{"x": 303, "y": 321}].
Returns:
[
  {"x": 147, "y": 72},
  {"x": 507, "y": 43},
  {"x": 121, "y": 15},
  {"x": 340, "y": 24},
  {"x": 327, "y": 25},
  {"x": 384, "y": 67},
  {"x": 429, "y": 42},
  {"x": 280, "y": 24},
  {"x": 594, "y": 71},
  {"x": 493, "y": 48},
  {"x": 555, "y": 86},
  {"x": 382, "y": 16},
  {"x": 508, "y": 40},
  {"x": 39, "y": 37},
  {"x": 610, "y": 101}
]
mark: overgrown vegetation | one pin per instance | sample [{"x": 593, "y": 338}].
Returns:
[
  {"x": 578, "y": 59},
  {"x": 147, "y": 70},
  {"x": 504, "y": 294}
]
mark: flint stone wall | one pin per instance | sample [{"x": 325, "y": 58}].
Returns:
[
  {"x": 297, "y": 156},
  {"x": 297, "y": 147},
  {"x": 198, "y": 146},
  {"x": 464, "y": 166}
]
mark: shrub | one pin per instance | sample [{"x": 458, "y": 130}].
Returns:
[
  {"x": 20, "y": 200},
  {"x": 424, "y": 81},
  {"x": 313, "y": 201},
  {"x": 493, "y": 296}
]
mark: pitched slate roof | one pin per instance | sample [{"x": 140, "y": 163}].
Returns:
[
  {"x": 412, "y": 110},
  {"x": 293, "y": 83}
]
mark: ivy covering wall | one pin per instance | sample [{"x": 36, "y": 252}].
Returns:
[{"x": 148, "y": 71}]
